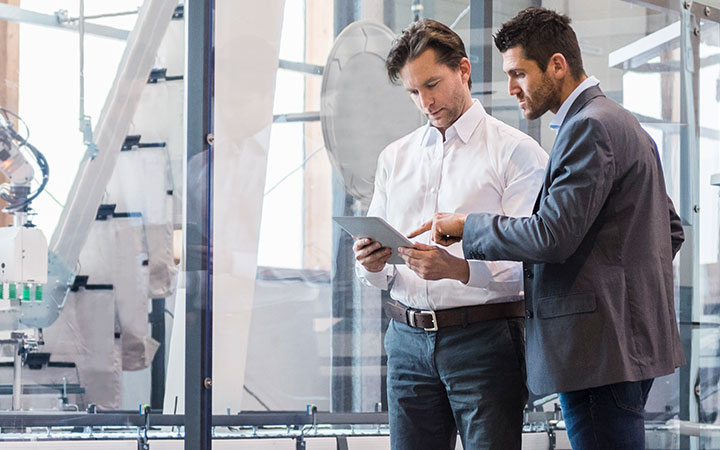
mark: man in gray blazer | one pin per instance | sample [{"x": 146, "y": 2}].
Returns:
[{"x": 597, "y": 250}]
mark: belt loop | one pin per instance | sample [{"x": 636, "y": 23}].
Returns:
[{"x": 463, "y": 317}]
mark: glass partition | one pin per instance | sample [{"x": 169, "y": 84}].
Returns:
[
  {"x": 89, "y": 269},
  {"x": 708, "y": 182},
  {"x": 303, "y": 107},
  {"x": 634, "y": 49}
]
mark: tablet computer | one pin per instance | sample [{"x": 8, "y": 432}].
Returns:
[{"x": 376, "y": 229}]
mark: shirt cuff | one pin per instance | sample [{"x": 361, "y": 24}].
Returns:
[
  {"x": 480, "y": 274},
  {"x": 380, "y": 280}
]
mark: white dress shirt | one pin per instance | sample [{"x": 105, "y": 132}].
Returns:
[
  {"x": 484, "y": 165},
  {"x": 565, "y": 107}
]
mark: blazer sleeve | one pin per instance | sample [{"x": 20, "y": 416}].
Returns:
[
  {"x": 677, "y": 235},
  {"x": 522, "y": 177},
  {"x": 582, "y": 168}
]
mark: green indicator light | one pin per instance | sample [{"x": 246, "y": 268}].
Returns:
[
  {"x": 38, "y": 293},
  {"x": 12, "y": 295},
  {"x": 2, "y": 291},
  {"x": 26, "y": 292}
]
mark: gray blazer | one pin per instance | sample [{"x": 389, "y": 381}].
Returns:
[{"x": 597, "y": 255}]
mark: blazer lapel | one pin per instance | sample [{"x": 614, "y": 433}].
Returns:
[{"x": 582, "y": 99}]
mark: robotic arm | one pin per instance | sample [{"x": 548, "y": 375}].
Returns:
[
  {"x": 23, "y": 248},
  {"x": 16, "y": 167}
]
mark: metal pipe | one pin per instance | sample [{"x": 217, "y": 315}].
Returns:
[
  {"x": 18, "y": 15},
  {"x": 100, "y": 16},
  {"x": 81, "y": 34},
  {"x": 19, "y": 219},
  {"x": 17, "y": 378}
]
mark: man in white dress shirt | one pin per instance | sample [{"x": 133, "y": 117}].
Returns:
[{"x": 455, "y": 346}]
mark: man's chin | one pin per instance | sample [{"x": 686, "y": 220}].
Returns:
[{"x": 530, "y": 114}]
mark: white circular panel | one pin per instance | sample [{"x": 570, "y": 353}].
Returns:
[{"x": 361, "y": 111}]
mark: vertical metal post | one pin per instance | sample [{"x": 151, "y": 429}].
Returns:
[
  {"x": 531, "y": 127},
  {"x": 157, "y": 376},
  {"x": 342, "y": 383},
  {"x": 481, "y": 49},
  {"x": 690, "y": 305},
  {"x": 17, "y": 377},
  {"x": 198, "y": 231}
]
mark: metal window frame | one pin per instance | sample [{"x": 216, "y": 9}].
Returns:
[{"x": 199, "y": 72}]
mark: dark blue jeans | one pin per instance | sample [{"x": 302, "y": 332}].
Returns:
[
  {"x": 470, "y": 380},
  {"x": 607, "y": 417}
]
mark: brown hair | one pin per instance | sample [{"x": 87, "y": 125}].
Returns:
[
  {"x": 420, "y": 36},
  {"x": 541, "y": 33}
]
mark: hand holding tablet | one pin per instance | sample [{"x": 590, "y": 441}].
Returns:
[{"x": 378, "y": 230}]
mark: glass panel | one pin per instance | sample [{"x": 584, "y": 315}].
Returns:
[
  {"x": 310, "y": 312},
  {"x": 109, "y": 216},
  {"x": 314, "y": 332},
  {"x": 626, "y": 47},
  {"x": 709, "y": 288}
]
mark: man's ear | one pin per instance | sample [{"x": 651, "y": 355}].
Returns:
[
  {"x": 558, "y": 66},
  {"x": 465, "y": 69}
]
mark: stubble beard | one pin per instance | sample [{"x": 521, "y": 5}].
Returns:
[
  {"x": 544, "y": 98},
  {"x": 452, "y": 114}
]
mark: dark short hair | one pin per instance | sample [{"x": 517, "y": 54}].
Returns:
[
  {"x": 420, "y": 36},
  {"x": 541, "y": 33}
]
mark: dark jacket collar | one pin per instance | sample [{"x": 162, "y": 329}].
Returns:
[{"x": 587, "y": 95}]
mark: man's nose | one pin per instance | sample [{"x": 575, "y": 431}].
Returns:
[
  {"x": 425, "y": 99},
  {"x": 513, "y": 88}
]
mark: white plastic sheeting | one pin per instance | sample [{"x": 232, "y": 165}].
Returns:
[
  {"x": 247, "y": 44},
  {"x": 106, "y": 331},
  {"x": 134, "y": 255},
  {"x": 142, "y": 183},
  {"x": 159, "y": 117},
  {"x": 89, "y": 186},
  {"x": 296, "y": 328},
  {"x": 85, "y": 334}
]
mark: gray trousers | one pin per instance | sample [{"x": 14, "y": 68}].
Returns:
[{"x": 469, "y": 380}]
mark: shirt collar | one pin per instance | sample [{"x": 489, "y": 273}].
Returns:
[
  {"x": 465, "y": 125},
  {"x": 565, "y": 107}
]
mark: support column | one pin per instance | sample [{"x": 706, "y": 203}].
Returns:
[
  {"x": 481, "y": 48},
  {"x": 690, "y": 308},
  {"x": 198, "y": 233},
  {"x": 343, "y": 273}
]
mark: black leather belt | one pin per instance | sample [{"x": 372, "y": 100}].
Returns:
[{"x": 433, "y": 320}]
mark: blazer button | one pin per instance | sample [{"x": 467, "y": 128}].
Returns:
[
  {"x": 528, "y": 314},
  {"x": 528, "y": 273}
]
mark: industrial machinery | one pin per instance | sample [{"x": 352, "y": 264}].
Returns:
[{"x": 23, "y": 247}]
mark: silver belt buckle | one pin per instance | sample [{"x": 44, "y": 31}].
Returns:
[
  {"x": 411, "y": 318},
  {"x": 434, "y": 321}
]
